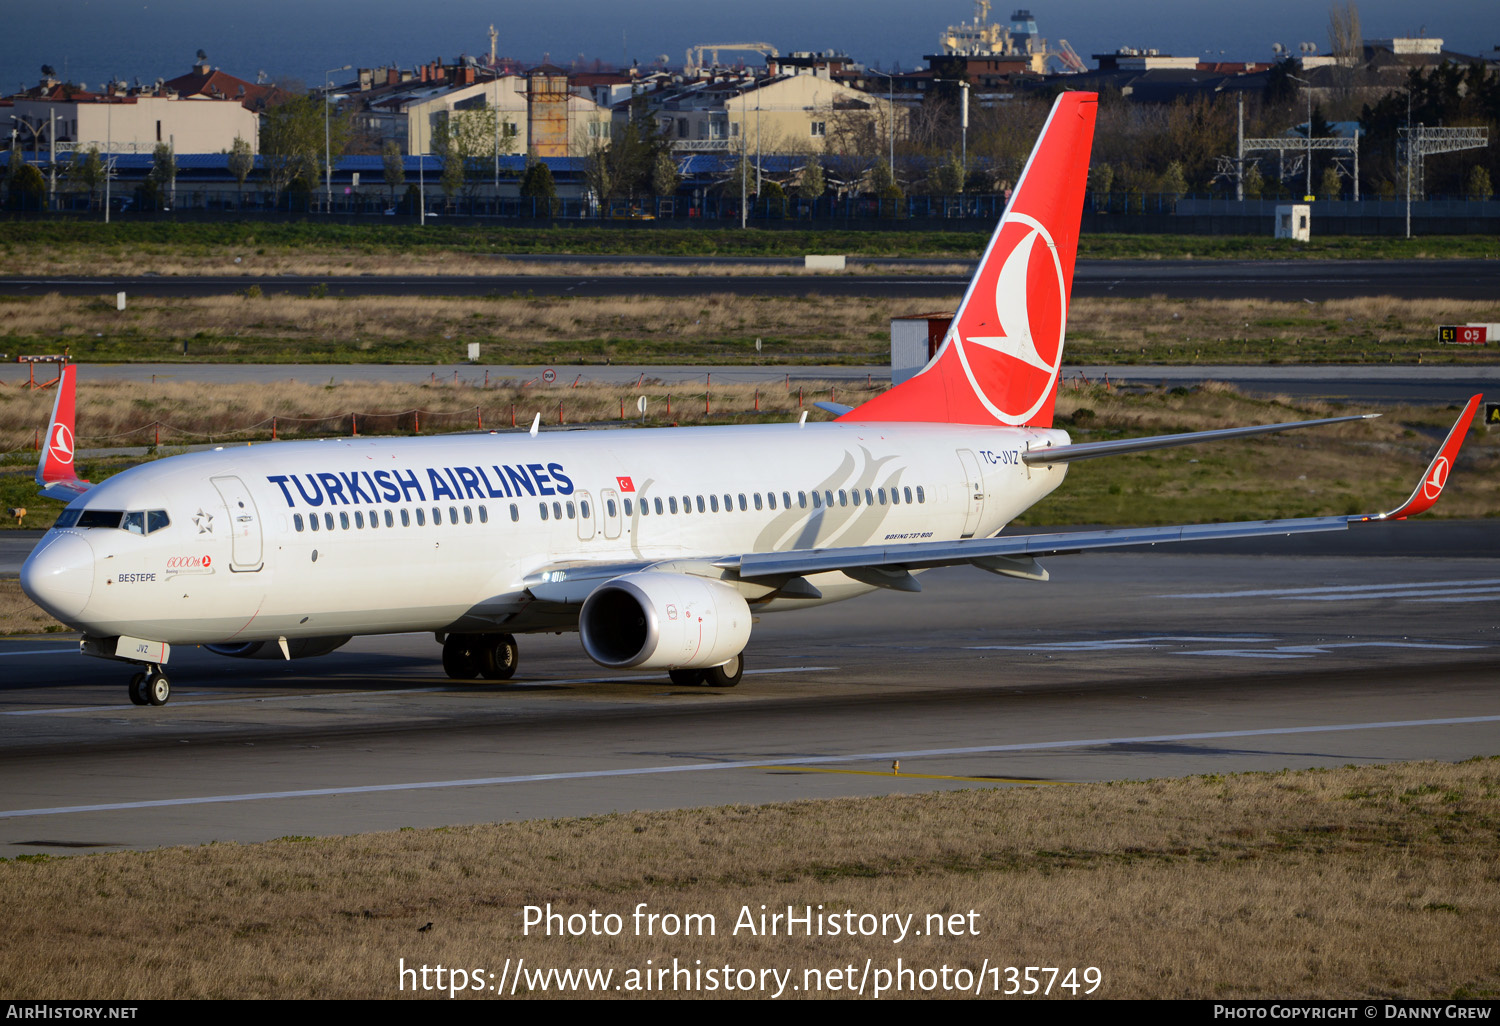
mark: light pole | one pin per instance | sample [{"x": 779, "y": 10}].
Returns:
[
  {"x": 1308, "y": 91},
  {"x": 327, "y": 143}
]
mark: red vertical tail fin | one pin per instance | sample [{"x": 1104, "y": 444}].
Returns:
[
  {"x": 1000, "y": 360},
  {"x": 55, "y": 471}
]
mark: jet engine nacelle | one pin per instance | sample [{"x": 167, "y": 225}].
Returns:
[
  {"x": 297, "y": 648},
  {"x": 663, "y": 620}
]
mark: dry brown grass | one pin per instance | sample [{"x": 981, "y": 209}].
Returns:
[
  {"x": 1364, "y": 882},
  {"x": 19, "y": 616},
  {"x": 118, "y": 413},
  {"x": 520, "y": 328}
]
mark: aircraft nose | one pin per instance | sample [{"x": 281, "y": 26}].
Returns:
[{"x": 59, "y": 575}]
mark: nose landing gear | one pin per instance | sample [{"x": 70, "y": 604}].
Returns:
[{"x": 150, "y": 687}]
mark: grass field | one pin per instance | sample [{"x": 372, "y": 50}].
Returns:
[
  {"x": 27, "y": 247},
  {"x": 1363, "y": 882},
  {"x": 710, "y": 329}
]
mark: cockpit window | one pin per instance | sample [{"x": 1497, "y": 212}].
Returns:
[
  {"x": 134, "y": 521},
  {"x": 99, "y": 518}
]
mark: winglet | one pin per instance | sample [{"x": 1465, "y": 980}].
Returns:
[
  {"x": 55, "y": 472},
  {"x": 1436, "y": 477}
]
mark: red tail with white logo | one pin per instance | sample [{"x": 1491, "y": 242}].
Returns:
[
  {"x": 55, "y": 471},
  {"x": 1000, "y": 359}
]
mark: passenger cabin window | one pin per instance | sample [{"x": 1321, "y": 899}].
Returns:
[
  {"x": 671, "y": 502},
  {"x": 757, "y": 500},
  {"x": 701, "y": 508},
  {"x": 484, "y": 514},
  {"x": 515, "y": 513},
  {"x": 468, "y": 515},
  {"x": 713, "y": 503},
  {"x": 405, "y": 518},
  {"x": 344, "y": 520},
  {"x": 421, "y": 517},
  {"x": 390, "y": 521},
  {"x": 543, "y": 507},
  {"x": 359, "y": 519},
  {"x": 921, "y": 496},
  {"x": 297, "y": 522},
  {"x": 328, "y": 521}
]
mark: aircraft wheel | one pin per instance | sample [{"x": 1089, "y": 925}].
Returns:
[
  {"x": 156, "y": 687},
  {"x": 461, "y": 657},
  {"x": 686, "y": 678},
  {"x": 137, "y": 689},
  {"x": 498, "y": 656},
  {"x": 727, "y": 675}
]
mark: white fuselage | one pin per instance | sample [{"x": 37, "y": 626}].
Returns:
[{"x": 445, "y": 533}]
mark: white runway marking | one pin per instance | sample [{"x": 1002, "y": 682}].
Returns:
[
  {"x": 323, "y": 695},
  {"x": 531, "y": 778},
  {"x": 1303, "y": 651},
  {"x": 43, "y": 651},
  {"x": 1108, "y": 644},
  {"x": 1415, "y": 590}
]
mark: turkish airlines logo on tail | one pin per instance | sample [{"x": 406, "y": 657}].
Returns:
[
  {"x": 61, "y": 445},
  {"x": 1010, "y": 337},
  {"x": 1433, "y": 486}
]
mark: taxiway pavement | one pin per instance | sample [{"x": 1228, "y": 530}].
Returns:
[{"x": 1123, "y": 666}]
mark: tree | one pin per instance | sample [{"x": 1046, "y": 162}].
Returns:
[
  {"x": 395, "y": 167},
  {"x": 1331, "y": 184},
  {"x": 1255, "y": 183},
  {"x": 664, "y": 176},
  {"x": 1479, "y": 187},
  {"x": 292, "y": 143},
  {"x": 240, "y": 163},
  {"x": 88, "y": 171},
  {"x": 947, "y": 178},
  {"x": 27, "y": 186},
  {"x": 469, "y": 141},
  {"x": 163, "y": 174},
  {"x": 1173, "y": 182},
  {"x": 810, "y": 186},
  {"x": 538, "y": 185}
]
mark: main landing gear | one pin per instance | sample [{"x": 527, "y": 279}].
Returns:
[
  {"x": 491, "y": 656},
  {"x": 725, "y": 676},
  {"x": 150, "y": 687}
]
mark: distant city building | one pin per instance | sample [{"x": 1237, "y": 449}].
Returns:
[{"x": 60, "y": 116}]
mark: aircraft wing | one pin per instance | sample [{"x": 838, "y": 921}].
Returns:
[{"x": 888, "y": 565}]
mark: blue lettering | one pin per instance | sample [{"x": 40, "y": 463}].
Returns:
[
  {"x": 315, "y": 499},
  {"x": 356, "y": 490},
  {"x": 410, "y": 484},
  {"x": 334, "y": 489},
  {"x": 518, "y": 478},
  {"x": 439, "y": 486},
  {"x": 374, "y": 492},
  {"x": 388, "y": 488},
  {"x": 279, "y": 481},
  {"x": 564, "y": 483},
  {"x": 541, "y": 478},
  {"x": 471, "y": 482},
  {"x": 491, "y": 488}
]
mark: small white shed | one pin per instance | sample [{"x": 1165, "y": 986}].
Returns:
[{"x": 1294, "y": 221}]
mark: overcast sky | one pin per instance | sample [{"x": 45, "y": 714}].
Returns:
[{"x": 97, "y": 39}]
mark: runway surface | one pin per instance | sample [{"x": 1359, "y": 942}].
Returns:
[
  {"x": 1374, "y": 383},
  {"x": 1124, "y": 666},
  {"x": 1292, "y": 279}
]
